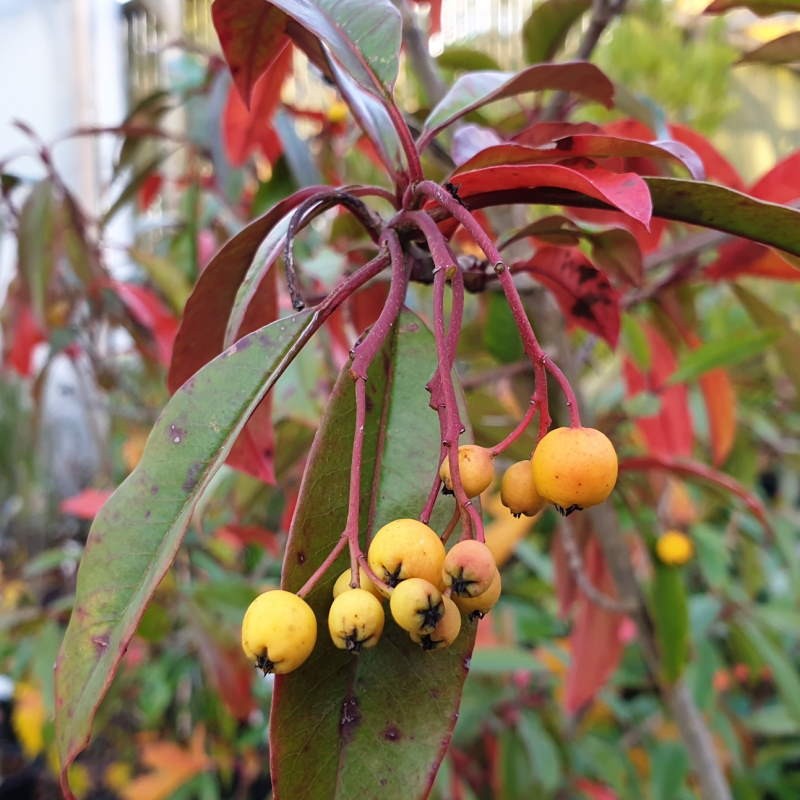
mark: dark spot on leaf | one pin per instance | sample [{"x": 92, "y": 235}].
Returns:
[
  {"x": 392, "y": 734},
  {"x": 586, "y": 272},
  {"x": 188, "y": 387},
  {"x": 301, "y": 557},
  {"x": 369, "y": 404},
  {"x": 383, "y": 781},
  {"x": 147, "y": 514},
  {"x": 192, "y": 476},
  {"x": 243, "y": 344},
  {"x": 100, "y": 642},
  {"x": 350, "y": 719},
  {"x": 583, "y": 308},
  {"x": 565, "y": 144},
  {"x": 154, "y": 489}
]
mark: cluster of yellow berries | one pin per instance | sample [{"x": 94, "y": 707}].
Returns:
[
  {"x": 573, "y": 468},
  {"x": 428, "y": 587},
  {"x": 428, "y": 590}
]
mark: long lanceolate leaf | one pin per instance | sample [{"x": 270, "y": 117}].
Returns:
[
  {"x": 363, "y": 37},
  {"x": 373, "y": 725},
  {"x": 476, "y": 89},
  {"x": 135, "y": 536}
]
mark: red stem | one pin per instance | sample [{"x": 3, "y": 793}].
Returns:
[
  {"x": 518, "y": 431},
  {"x": 354, "y": 499},
  {"x": 407, "y": 142},
  {"x": 540, "y": 361},
  {"x": 694, "y": 469},
  {"x": 323, "y": 567}
]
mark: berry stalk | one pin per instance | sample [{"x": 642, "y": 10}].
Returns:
[{"x": 540, "y": 361}]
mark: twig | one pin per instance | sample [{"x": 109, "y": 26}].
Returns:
[
  {"x": 424, "y": 67},
  {"x": 603, "y": 12}
]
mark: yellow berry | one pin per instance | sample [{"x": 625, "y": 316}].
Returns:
[
  {"x": 343, "y": 583},
  {"x": 674, "y": 548},
  {"x": 574, "y": 468},
  {"x": 446, "y": 630},
  {"x": 279, "y": 631},
  {"x": 518, "y": 491},
  {"x": 355, "y": 620},
  {"x": 416, "y": 605},
  {"x": 468, "y": 568},
  {"x": 480, "y": 605},
  {"x": 337, "y": 112},
  {"x": 406, "y": 548},
  {"x": 475, "y": 467}
]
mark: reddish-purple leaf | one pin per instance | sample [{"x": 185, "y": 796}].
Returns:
[
  {"x": 783, "y": 50},
  {"x": 201, "y": 335},
  {"x": 717, "y": 167},
  {"x": 246, "y": 130},
  {"x": 469, "y": 140},
  {"x": 760, "y": 7},
  {"x": 252, "y": 34},
  {"x": 587, "y": 145},
  {"x": 583, "y": 292},
  {"x": 477, "y": 89},
  {"x": 595, "y": 642},
  {"x": 625, "y": 191}
]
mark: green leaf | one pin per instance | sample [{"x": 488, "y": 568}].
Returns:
[
  {"x": 501, "y": 334},
  {"x": 723, "y": 209},
  {"x": 783, "y": 670},
  {"x": 547, "y": 27},
  {"x": 465, "y": 59},
  {"x": 541, "y": 749},
  {"x": 670, "y": 765},
  {"x": 671, "y": 617},
  {"x": 376, "y": 724},
  {"x": 36, "y": 246},
  {"x": 501, "y": 660},
  {"x": 136, "y": 534},
  {"x": 722, "y": 353},
  {"x": 166, "y": 275},
  {"x": 787, "y": 346},
  {"x": 363, "y": 37}
]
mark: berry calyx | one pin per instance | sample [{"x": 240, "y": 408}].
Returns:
[
  {"x": 416, "y": 605},
  {"x": 674, "y": 548},
  {"x": 279, "y": 631},
  {"x": 479, "y": 606},
  {"x": 518, "y": 490},
  {"x": 355, "y": 620},
  {"x": 475, "y": 467},
  {"x": 468, "y": 568},
  {"x": 574, "y": 468},
  {"x": 406, "y": 548},
  {"x": 446, "y": 630},
  {"x": 343, "y": 584}
]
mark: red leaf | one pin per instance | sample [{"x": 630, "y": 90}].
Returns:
[
  {"x": 254, "y": 450},
  {"x": 252, "y": 36},
  {"x": 583, "y": 292},
  {"x": 241, "y": 535},
  {"x": 229, "y": 673},
  {"x": 595, "y": 642},
  {"x": 669, "y": 432},
  {"x": 149, "y": 190},
  {"x": 245, "y": 131},
  {"x": 543, "y": 132},
  {"x": 25, "y": 335},
  {"x": 625, "y": 191},
  {"x": 718, "y": 168},
  {"x": 152, "y": 314},
  {"x": 201, "y": 335},
  {"x": 85, "y": 504},
  {"x": 594, "y": 791}
]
